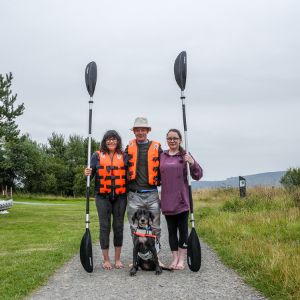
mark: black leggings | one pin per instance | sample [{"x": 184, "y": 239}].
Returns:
[
  {"x": 179, "y": 223},
  {"x": 106, "y": 208}
]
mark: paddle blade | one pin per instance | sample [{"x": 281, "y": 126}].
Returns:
[
  {"x": 194, "y": 251},
  {"x": 180, "y": 70},
  {"x": 91, "y": 77},
  {"x": 86, "y": 251}
]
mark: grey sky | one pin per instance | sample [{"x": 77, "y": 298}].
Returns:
[{"x": 242, "y": 87}]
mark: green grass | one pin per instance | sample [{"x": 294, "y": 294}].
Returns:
[
  {"x": 36, "y": 240},
  {"x": 258, "y": 236}
]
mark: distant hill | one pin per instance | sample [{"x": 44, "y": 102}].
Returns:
[{"x": 262, "y": 179}]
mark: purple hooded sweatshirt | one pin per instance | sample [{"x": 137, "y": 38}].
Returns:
[{"x": 174, "y": 183}]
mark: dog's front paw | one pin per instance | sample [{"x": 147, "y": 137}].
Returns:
[
  {"x": 133, "y": 271},
  {"x": 158, "y": 270}
]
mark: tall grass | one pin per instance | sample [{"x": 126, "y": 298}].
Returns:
[{"x": 259, "y": 236}]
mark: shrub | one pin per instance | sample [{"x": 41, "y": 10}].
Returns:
[
  {"x": 291, "y": 182},
  {"x": 291, "y": 179}
]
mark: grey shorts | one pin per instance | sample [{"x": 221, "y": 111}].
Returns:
[{"x": 149, "y": 201}]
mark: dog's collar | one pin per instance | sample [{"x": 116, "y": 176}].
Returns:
[{"x": 144, "y": 232}]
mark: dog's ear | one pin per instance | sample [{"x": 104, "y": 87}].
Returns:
[
  {"x": 151, "y": 218},
  {"x": 134, "y": 217}
]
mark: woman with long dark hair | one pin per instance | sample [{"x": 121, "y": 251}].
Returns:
[
  {"x": 107, "y": 165},
  {"x": 175, "y": 203}
]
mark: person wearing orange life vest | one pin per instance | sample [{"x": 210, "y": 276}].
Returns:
[
  {"x": 108, "y": 167},
  {"x": 142, "y": 156}
]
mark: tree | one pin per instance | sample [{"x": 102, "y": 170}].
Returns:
[
  {"x": 291, "y": 182},
  {"x": 79, "y": 183},
  {"x": 25, "y": 164},
  {"x": 8, "y": 128},
  {"x": 291, "y": 179},
  {"x": 75, "y": 152},
  {"x": 6, "y": 174},
  {"x": 57, "y": 145},
  {"x": 76, "y": 157},
  {"x": 8, "y": 110}
]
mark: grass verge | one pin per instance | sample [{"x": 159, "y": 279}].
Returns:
[
  {"x": 36, "y": 240},
  {"x": 258, "y": 236}
]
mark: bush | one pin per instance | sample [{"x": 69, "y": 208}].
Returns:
[
  {"x": 291, "y": 182},
  {"x": 291, "y": 179}
]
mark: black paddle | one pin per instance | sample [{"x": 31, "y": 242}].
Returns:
[
  {"x": 86, "y": 251},
  {"x": 193, "y": 249}
]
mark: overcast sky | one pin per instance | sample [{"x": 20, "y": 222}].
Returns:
[{"x": 243, "y": 83}]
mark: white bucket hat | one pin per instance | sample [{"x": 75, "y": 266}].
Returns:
[{"x": 141, "y": 122}]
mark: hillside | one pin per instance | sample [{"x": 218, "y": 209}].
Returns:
[{"x": 261, "y": 179}]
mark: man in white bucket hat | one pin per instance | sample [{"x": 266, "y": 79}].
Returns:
[
  {"x": 143, "y": 171},
  {"x": 141, "y": 122}
]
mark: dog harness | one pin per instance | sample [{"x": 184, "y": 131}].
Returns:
[
  {"x": 147, "y": 232},
  {"x": 153, "y": 161}
]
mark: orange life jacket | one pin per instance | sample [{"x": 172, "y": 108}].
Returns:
[
  {"x": 153, "y": 161},
  {"x": 110, "y": 174}
]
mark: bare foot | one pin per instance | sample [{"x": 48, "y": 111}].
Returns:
[
  {"x": 161, "y": 264},
  {"x": 106, "y": 265},
  {"x": 118, "y": 264},
  {"x": 173, "y": 264},
  {"x": 179, "y": 266}
]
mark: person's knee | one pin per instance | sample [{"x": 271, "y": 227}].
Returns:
[
  {"x": 156, "y": 231},
  {"x": 104, "y": 227},
  {"x": 156, "y": 221}
]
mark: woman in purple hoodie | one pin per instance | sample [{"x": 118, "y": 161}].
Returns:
[{"x": 175, "y": 194}]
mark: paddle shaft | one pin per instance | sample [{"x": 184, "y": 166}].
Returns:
[
  {"x": 188, "y": 166},
  {"x": 88, "y": 179}
]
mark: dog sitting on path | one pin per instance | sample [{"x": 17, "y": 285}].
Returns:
[{"x": 144, "y": 244}]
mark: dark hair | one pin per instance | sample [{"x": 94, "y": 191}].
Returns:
[
  {"x": 111, "y": 134},
  {"x": 182, "y": 151}
]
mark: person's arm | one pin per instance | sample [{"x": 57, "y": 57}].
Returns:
[
  {"x": 160, "y": 151},
  {"x": 92, "y": 169},
  {"x": 94, "y": 162},
  {"x": 195, "y": 169},
  {"x": 126, "y": 164},
  {"x": 126, "y": 157}
]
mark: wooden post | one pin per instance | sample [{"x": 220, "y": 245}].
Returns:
[{"x": 242, "y": 185}]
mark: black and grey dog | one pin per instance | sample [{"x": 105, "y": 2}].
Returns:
[{"x": 144, "y": 250}]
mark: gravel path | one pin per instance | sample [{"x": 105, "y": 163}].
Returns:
[{"x": 213, "y": 281}]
